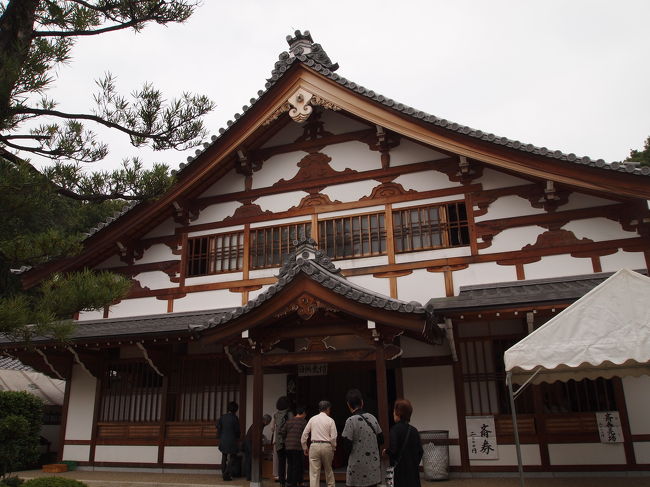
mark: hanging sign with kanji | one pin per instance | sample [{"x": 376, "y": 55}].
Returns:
[
  {"x": 609, "y": 427},
  {"x": 481, "y": 438}
]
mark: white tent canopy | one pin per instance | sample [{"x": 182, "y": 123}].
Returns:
[
  {"x": 605, "y": 333},
  {"x": 51, "y": 391}
]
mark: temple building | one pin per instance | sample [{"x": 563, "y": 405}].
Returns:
[{"x": 331, "y": 237}]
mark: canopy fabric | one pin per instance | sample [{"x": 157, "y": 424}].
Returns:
[
  {"x": 605, "y": 333},
  {"x": 51, "y": 391}
]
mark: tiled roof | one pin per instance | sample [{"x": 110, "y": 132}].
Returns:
[
  {"x": 303, "y": 50},
  {"x": 8, "y": 363},
  {"x": 515, "y": 293},
  {"x": 318, "y": 267}
]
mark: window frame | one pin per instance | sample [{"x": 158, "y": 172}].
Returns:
[{"x": 212, "y": 252}]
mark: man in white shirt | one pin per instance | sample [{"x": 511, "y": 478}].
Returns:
[{"x": 323, "y": 444}]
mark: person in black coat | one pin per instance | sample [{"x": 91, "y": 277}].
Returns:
[
  {"x": 228, "y": 434},
  {"x": 405, "y": 452}
]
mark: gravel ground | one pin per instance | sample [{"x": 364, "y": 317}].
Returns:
[{"x": 146, "y": 479}]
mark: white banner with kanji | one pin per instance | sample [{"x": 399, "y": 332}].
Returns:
[
  {"x": 481, "y": 438},
  {"x": 609, "y": 427}
]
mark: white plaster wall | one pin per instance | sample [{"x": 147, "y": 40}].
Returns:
[
  {"x": 421, "y": 286},
  {"x": 433, "y": 254},
  {"x": 429, "y": 201},
  {"x": 513, "y": 239},
  {"x": 637, "y": 399},
  {"x": 408, "y": 152},
  {"x": 508, "y": 456},
  {"x": 416, "y": 348},
  {"x": 280, "y": 202},
  {"x": 351, "y": 191},
  {"x": 622, "y": 259},
  {"x": 598, "y": 229},
  {"x": 126, "y": 454},
  {"x": 275, "y": 385},
  {"x": 581, "y": 200},
  {"x": 164, "y": 229},
  {"x": 287, "y": 135},
  {"x": 454, "y": 455},
  {"x": 358, "y": 263},
  {"x": 221, "y": 298},
  {"x": 483, "y": 273},
  {"x": 280, "y": 166},
  {"x": 197, "y": 455},
  {"x": 79, "y": 424},
  {"x": 426, "y": 181},
  {"x": 77, "y": 453},
  {"x": 355, "y": 211},
  {"x": 137, "y": 307},
  {"x": 225, "y": 277},
  {"x": 338, "y": 123},
  {"x": 509, "y": 206},
  {"x": 492, "y": 179},
  {"x": 281, "y": 221},
  {"x": 375, "y": 284},
  {"x": 253, "y": 294},
  {"x": 642, "y": 452},
  {"x": 230, "y": 183},
  {"x": 91, "y": 315},
  {"x": 558, "y": 265},
  {"x": 157, "y": 253},
  {"x": 260, "y": 273},
  {"x": 353, "y": 155},
  {"x": 216, "y": 213},
  {"x": 154, "y": 280},
  {"x": 431, "y": 391},
  {"x": 213, "y": 231},
  {"x": 586, "y": 454}
]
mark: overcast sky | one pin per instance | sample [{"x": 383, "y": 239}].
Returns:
[{"x": 568, "y": 75}]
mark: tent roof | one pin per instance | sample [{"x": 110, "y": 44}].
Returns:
[
  {"x": 51, "y": 391},
  {"x": 605, "y": 333}
]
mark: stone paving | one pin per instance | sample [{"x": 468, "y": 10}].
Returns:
[{"x": 147, "y": 479}]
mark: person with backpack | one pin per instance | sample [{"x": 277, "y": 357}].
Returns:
[
  {"x": 361, "y": 436},
  {"x": 280, "y": 418}
]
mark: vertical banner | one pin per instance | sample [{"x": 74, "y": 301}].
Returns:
[
  {"x": 481, "y": 438},
  {"x": 609, "y": 427}
]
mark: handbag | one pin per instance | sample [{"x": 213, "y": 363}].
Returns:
[{"x": 390, "y": 471}]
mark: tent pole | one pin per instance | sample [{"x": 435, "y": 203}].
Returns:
[{"x": 515, "y": 429}]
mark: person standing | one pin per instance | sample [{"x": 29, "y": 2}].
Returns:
[
  {"x": 293, "y": 447},
  {"x": 280, "y": 419},
  {"x": 248, "y": 446},
  {"x": 361, "y": 437},
  {"x": 405, "y": 450},
  {"x": 228, "y": 434},
  {"x": 323, "y": 444}
]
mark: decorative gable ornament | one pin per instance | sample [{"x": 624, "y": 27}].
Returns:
[{"x": 299, "y": 105}]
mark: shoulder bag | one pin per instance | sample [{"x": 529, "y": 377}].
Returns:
[{"x": 390, "y": 471}]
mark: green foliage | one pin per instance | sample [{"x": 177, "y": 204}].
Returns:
[
  {"x": 11, "y": 482},
  {"x": 642, "y": 156},
  {"x": 20, "y": 423},
  {"x": 53, "y": 482}
]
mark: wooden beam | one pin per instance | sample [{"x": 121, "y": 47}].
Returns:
[
  {"x": 294, "y": 358},
  {"x": 382, "y": 392},
  {"x": 256, "y": 436}
]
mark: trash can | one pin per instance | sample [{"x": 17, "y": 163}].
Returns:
[{"x": 435, "y": 460}]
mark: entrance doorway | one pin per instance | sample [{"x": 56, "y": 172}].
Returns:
[{"x": 338, "y": 380}]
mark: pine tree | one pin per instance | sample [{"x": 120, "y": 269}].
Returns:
[{"x": 44, "y": 214}]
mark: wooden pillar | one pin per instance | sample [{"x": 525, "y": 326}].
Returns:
[
  {"x": 64, "y": 416},
  {"x": 382, "y": 392},
  {"x": 256, "y": 437},
  {"x": 621, "y": 405}
]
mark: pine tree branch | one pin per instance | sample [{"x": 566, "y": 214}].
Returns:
[
  {"x": 76, "y": 33},
  {"x": 84, "y": 116}
]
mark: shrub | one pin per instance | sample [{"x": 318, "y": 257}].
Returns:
[
  {"x": 53, "y": 482},
  {"x": 20, "y": 424},
  {"x": 11, "y": 482}
]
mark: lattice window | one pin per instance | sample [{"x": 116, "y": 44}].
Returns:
[
  {"x": 579, "y": 396},
  {"x": 201, "y": 388},
  {"x": 430, "y": 227},
  {"x": 131, "y": 391},
  {"x": 215, "y": 254},
  {"x": 271, "y": 246},
  {"x": 353, "y": 236}
]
